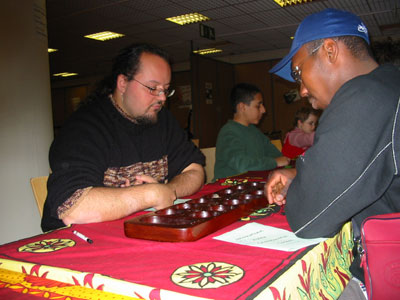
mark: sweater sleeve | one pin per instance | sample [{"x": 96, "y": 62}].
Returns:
[{"x": 78, "y": 159}]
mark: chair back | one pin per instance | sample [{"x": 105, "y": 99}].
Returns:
[
  {"x": 209, "y": 153},
  {"x": 39, "y": 188},
  {"x": 196, "y": 142},
  {"x": 277, "y": 144}
]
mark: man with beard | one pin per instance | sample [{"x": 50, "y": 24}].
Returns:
[
  {"x": 351, "y": 171},
  {"x": 121, "y": 151}
]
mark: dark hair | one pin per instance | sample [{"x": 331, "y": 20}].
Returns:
[
  {"x": 303, "y": 113},
  {"x": 243, "y": 92},
  {"x": 127, "y": 62},
  {"x": 357, "y": 46}
]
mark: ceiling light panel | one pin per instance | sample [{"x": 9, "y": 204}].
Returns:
[
  {"x": 207, "y": 51},
  {"x": 65, "y": 74},
  {"x": 284, "y": 3},
  {"x": 104, "y": 36},
  {"x": 188, "y": 18}
]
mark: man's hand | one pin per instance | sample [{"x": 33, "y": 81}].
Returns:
[
  {"x": 278, "y": 184},
  {"x": 140, "y": 179},
  {"x": 282, "y": 161},
  {"x": 160, "y": 195}
]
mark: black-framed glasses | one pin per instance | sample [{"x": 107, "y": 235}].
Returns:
[
  {"x": 157, "y": 92},
  {"x": 296, "y": 72}
]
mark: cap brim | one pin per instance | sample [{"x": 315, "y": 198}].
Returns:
[{"x": 284, "y": 67}]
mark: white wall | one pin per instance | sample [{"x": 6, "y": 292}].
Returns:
[{"x": 26, "y": 129}]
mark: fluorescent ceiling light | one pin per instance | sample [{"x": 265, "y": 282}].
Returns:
[
  {"x": 188, "y": 18},
  {"x": 65, "y": 74},
  {"x": 291, "y": 2},
  {"x": 49, "y": 50},
  {"x": 207, "y": 51},
  {"x": 104, "y": 36}
]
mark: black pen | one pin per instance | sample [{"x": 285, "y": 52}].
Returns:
[{"x": 83, "y": 237}]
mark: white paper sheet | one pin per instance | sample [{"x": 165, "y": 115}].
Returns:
[{"x": 258, "y": 235}]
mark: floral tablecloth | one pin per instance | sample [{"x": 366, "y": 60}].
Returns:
[{"x": 59, "y": 265}]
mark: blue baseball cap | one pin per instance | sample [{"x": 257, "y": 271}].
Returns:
[{"x": 327, "y": 23}]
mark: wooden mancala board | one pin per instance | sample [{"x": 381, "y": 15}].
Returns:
[{"x": 198, "y": 217}]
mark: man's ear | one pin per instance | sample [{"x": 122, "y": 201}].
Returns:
[
  {"x": 122, "y": 82},
  {"x": 240, "y": 106},
  {"x": 331, "y": 49}
]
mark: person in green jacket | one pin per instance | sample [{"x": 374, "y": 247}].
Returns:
[{"x": 241, "y": 146}]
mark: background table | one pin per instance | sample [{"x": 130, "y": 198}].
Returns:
[{"x": 58, "y": 264}]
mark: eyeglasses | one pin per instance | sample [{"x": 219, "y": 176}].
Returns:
[
  {"x": 157, "y": 92},
  {"x": 296, "y": 72}
]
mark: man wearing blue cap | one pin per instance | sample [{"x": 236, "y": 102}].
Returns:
[{"x": 351, "y": 171}]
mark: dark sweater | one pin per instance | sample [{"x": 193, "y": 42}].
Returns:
[{"x": 99, "y": 147}]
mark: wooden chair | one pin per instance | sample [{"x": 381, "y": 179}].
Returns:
[
  {"x": 277, "y": 144},
  {"x": 196, "y": 142},
  {"x": 209, "y": 153},
  {"x": 39, "y": 188}
]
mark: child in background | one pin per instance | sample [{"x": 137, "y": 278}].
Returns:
[
  {"x": 301, "y": 137},
  {"x": 241, "y": 146}
]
